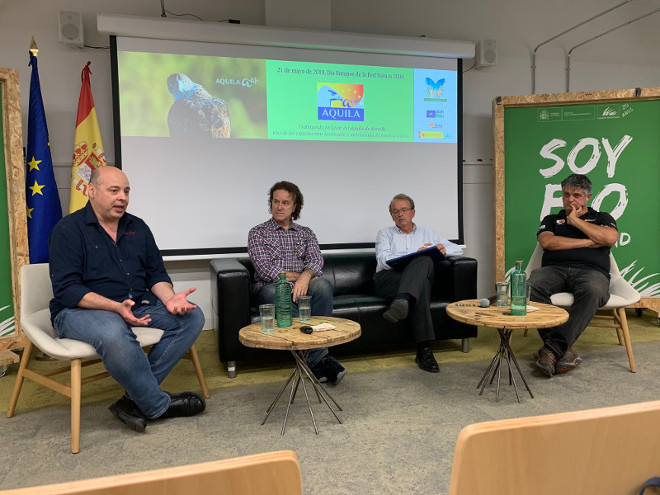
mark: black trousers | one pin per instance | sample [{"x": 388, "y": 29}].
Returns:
[
  {"x": 590, "y": 289},
  {"x": 415, "y": 279}
]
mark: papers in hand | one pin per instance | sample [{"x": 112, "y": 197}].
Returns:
[
  {"x": 401, "y": 262},
  {"x": 323, "y": 326}
]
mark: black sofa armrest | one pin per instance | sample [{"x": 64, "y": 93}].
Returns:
[
  {"x": 455, "y": 279},
  {"x": 230, "y": 288}
]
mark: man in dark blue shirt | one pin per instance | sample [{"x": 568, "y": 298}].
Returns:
[
  {"x": 108, "y": 276},
  {"x": 576, "y": 258}
]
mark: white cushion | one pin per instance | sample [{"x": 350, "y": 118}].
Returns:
[{"x": 40, "y": 331}]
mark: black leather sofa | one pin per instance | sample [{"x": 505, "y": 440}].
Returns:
[{"x": 352, "y": 278}]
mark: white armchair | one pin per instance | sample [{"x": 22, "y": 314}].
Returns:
[
  {"x": 622, "y": 294},
  {"x": 36, "y": 293}
]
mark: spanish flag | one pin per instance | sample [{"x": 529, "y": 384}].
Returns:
[{"x": 87, "y": 149}]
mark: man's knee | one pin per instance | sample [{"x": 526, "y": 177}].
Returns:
[
  {"x": 598, "y": 293},
  {"x": 544, "y": 282},
  {"x": 320, "y": 287},
  {"x": 196, "y": 320},
  {"x": 266, "y": 294},
  {"x": 420, "y": 264},
  {"x": 91, "y": 326}
]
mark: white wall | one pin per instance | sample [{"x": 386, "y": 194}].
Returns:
[{"x": 624, "y": 59}]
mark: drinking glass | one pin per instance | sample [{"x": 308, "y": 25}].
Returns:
[
  {"x": 502, "y": 293},
  {"x": 267, "y": 312},
  {"x": 305, "y": 308}
]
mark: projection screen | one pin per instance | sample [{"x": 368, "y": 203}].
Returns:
[{"x": 204, "y": 129}]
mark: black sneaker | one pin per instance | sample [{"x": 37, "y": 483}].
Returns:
[
  {"x": 319, "y": 372},
  {"x": 334, "y": 371}
]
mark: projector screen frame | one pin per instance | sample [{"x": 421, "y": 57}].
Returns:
[{"x": 208, "y": 252}]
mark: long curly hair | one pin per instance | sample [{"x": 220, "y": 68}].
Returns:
[{"x": 295, "y": 193}]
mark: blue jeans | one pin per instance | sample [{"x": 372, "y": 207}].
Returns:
[
  {"x": 590, "y": 289},
  {"x": 140, "y": 374},
  {"x": 321, "y": 291}
]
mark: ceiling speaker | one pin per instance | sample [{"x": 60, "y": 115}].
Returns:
[
  {"x": 485, "y": 54},
  {"x": 71, "y": 28}
]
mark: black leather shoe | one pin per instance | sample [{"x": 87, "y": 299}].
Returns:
[
  {"x": 426, "y": 361},
  {"x": 129, "y": 414},
  {"x": 398, "y": 311},
  {"x": 184, "y": 404}
]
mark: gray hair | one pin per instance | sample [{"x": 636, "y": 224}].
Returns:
[
  {"x": 402, "y": 196},
  {"x": 577, "y": 181}
]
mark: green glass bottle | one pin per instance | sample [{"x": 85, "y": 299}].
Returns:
[
  {"x": 283, "y": 302},
  {"x": 518, "y": 291}
]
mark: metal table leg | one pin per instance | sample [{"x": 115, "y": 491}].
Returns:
[
  {"x": 297, "y": 377},
  {"x": 504, "y": 352}
]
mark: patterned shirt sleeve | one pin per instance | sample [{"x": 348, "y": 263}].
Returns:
[
  {"x": 313, "y": 257},
  {"x": 262, "y": 259}
]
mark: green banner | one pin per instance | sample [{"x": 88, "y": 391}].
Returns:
[
  {"x": 7, "y": 325},
  {"x": 617, "y": 146}
]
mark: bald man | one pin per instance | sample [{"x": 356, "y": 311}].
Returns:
[{"x": 108, "y": 276}]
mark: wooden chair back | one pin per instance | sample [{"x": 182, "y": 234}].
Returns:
[
  {"x": 271, "y": 473},
  {"x": 593, "y": 452}
]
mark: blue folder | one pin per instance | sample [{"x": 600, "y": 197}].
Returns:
[{"x": 401, "y": 262}]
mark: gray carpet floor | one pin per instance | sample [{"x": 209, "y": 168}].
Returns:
[{"x": 399, "y": 424}]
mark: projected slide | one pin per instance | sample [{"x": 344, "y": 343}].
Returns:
[
  {"x": 189, "y": 95},
  {"x": 207, "y": 128},
  {"x": 223, "y": 97}
]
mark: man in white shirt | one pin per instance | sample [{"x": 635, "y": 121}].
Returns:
[{"x": 410, "y": 288}]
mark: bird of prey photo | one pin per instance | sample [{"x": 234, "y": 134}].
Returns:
[{"x": 194, "y": 111}]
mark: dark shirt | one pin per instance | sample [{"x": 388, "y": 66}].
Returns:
[
  {"x": 588, "y": 258},
  {"x": 84, "y": 258}
]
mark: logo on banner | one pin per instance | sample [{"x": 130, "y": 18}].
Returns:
[{"x": 340, "y": 101}]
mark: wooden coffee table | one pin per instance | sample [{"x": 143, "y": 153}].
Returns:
[
  {"x": 299, "y": 344},
  {"x": 500, "y": 317}
]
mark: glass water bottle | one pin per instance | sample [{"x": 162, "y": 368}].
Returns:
[
  {"x": 283, "y": 302},
  {"x": 518, "y": 291}
]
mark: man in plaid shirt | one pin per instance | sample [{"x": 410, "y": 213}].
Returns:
[{"x": 281, "y": 245}]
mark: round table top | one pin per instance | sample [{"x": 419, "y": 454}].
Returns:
[
  {"x": 470, "y": 311},
  {"x": 292, "y": 339}
]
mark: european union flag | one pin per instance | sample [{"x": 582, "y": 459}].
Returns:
[{"x": 43, "y": 202}]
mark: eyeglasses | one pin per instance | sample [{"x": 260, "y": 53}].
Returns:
[{"x": 402, "y": 210}]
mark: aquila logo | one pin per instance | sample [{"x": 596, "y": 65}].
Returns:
[{"x": 340, "y": 101}]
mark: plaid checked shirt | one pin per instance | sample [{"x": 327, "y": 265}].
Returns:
[{"x": 273, "y": 249}]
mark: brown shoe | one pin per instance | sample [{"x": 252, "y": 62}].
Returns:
[
  {"x": 568, "y": 361},
  {"x": 546, "y": 361}
]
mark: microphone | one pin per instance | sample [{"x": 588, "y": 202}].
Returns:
[{"x": 487, "y": 301}]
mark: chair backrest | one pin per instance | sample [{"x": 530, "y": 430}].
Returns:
[
  {"x": 272, "y": 473},
  {"x": 534, "y": 261},
  {"x": 36, "y": 289},
  {"x": 608, "y": 450}
]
